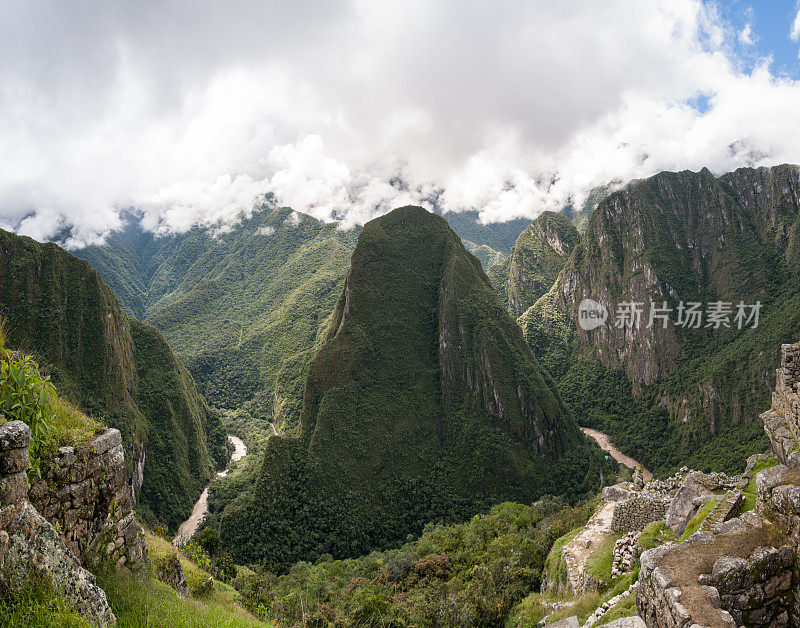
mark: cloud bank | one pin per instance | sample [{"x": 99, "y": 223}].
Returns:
[{"x": 188, "y": 111}]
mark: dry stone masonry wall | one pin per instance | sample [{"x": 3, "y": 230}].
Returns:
[
  {"x": 84, "y": 493},
  {"x": 636, "y": 512},
  {"x": 30, "y": 547},
  {"x": 782, "y": 420}
]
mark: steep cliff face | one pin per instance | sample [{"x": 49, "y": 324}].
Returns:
[
  {"x": 538, "y": 256},
  {"x": 57, "y": 308},
  {"x": 682, "y": 237},
  {"x": 679, "y": 237},
  {"x": 423, "y": 402}
]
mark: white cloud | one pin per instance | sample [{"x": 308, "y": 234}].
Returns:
[
  {"x": 266, "y": 230},
  {"x": 746, "y": 36},
  {"x": 345, "y": 110},
  {"x": 795, "y": 32}
]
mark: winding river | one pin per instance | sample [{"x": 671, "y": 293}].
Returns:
[
  {"x": 189, "y": 527},
  {"x": 605, "y": 444}
]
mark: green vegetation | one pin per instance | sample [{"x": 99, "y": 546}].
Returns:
[
  {"x": 466, "y": 574},
  {"x": 499, "y": 236},
  {"x": 487, "y": 255},
  {"x": 38, "y": 607},
  {"x": 600, "y": 561},
  {"x": 148, "y": 603},
  {"x": 697, "y": 520},
  {"x": 655, "y": 534},
  {"x": 555, "y": 569},
  {"x": 110, "y": 367},
  {"x": 236, "y": 307},
  {"x": 28, "y": 396},
  {"x": 684, "y": 396},
  {"x": 431, "y": 434},
  {"x": 749, "y": 492},
  {"x": 538, "y": 256}
]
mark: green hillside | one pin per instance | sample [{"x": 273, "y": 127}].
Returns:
[
  {"x": 423, "y": 404},
  {"x": 113, "y": 367},
  {"x": 236, "y": 307},
  {"x": 538, "y": 256},
  {"x": 678, "y": 395}
]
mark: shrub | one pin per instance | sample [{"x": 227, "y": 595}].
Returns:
[
  {"x": 28, "y": 396},
  {"x": 430, "y": 567}
]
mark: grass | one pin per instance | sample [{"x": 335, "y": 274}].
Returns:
[
  {"x": 70, "y": 426},
  {"x": 749, "y": 491},
  {"x": 149, "y": 603},
  {"x": 602, "y": 559},
  {"x": 655, "y": 534},
  {"x": 696, "y": 521},
  {"x": 553, "y": 563},
  {"x": 37, "y": 607}
]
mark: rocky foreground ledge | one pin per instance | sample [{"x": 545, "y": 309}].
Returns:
[{"x": 31, "y": 548}]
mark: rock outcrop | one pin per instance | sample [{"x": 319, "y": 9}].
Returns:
[{"x": 31, "y": 550}]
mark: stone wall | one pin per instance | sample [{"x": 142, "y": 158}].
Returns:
[
  {"x": 782, "y": 420},
  {"x": 84, "y": 493},
  {"x": 636, "y": 512},
  {"x": 30, "y": 547}
]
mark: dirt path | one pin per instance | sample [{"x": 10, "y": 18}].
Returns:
[
  {"x": 605, "y": 444},
  {"x": 189, "y": 527},
  {"x": 577, "y": 551}
]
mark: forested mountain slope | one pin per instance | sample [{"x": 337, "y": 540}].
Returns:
[
  {"x": 236, "y": 307},
  {"x": 678, "y": 394},
  {"x": 424, "y": 403},
  {"x": 56, "y": 307}
]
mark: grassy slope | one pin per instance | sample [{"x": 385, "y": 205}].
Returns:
[
  {"x": 420, "y": 443},
  {"x": 58, "y": 309}
]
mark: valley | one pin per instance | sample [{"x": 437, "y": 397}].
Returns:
[{"x": 395, "y": 399}]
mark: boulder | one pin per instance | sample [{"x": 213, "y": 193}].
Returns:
[
  {"x": 31, "y": 548},
  {"x": 627, "y": 622},
  {"x": 683, "y": 505},
  {"x": 569, "y": 622}
]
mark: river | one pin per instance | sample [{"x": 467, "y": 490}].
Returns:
[
  {"x": 605, "y": 444},
  {"x": 189, "y": 527}
]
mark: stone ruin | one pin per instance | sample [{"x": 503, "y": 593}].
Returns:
[
  {"x": 78, "y": 514},
  {"x": 30, "y": 546},
  {"x": 745, "y": 570}
]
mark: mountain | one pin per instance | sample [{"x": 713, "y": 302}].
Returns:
[
  {"x": 580, "y": 215},
  {"x": 487, "y": 256},
  {"x": 499, "y": 236},
  {"x": 536, "y": 259},
  {"x": 57, "y": 308},
  {"x": 424, "y": 403},
  {"x": 237, "y": 307},
  {"x": 678, "y": 395}
]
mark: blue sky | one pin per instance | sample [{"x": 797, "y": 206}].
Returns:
[{"x": 770, "y": 24}]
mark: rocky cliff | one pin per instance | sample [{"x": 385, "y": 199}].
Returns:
[
  {"x": 57, "y": 308},
  {"x": 672, "y": 239}
]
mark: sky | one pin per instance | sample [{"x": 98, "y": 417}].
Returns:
[{"x": 186, "y": 112}]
